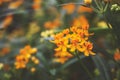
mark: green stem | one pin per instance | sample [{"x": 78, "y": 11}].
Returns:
[
  {"x": 84, "y": 67},
  {"x": 110, "y": 27},
  {"x": 70, "y": 3},
  {"x": 107, "y": 22},
  {"x": 98, "y": 6}
]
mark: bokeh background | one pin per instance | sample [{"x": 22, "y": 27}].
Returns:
[{"x": 28, "y": 26}]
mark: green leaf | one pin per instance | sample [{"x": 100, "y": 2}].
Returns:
[
  {"x": 70, "y": 62},
  {"x": 102, "y": 67},
  {"x": 100, "y": 31}
]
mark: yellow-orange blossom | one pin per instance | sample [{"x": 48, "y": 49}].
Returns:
[
  {"x": 72, "y": 39},
  {"x": 24, "y": 56}
]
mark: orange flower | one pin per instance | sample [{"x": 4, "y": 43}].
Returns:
[
  {"x": 88, "y": 49},
  {"x": 25, "y": 53},
  {"x": 84, "y": 22},
  {"x": 7, "y": 21},
  {"x": 75, "y": 43},
  {"x": 62, "y": 44},
  {"x": 22, "y": 59},
  {"x": 62, "y": 54},
  {"x": 36, "y": 61},
  {"x": 21, "y": 62},
  {"x": 87, "y": 1},
  {"x": 81, "y": 22},
  {"x": 1, "y": 2},
  {"x": 52, "y": 24},
  {"x": 5, "y": 50},
  {"x": 69, "y": 8},
  {"x": 48, "y": 24},
  {"x": 66, "y": 31},
  {"x": 16, "y": 4},
  {"x": 61, "y": 60},
  {"x": 36, "y": 4},
  {"x": 72, "y": 40},
  {"x": 83, "y": 9},
  {"x": 56, "y": 22},
  {"x": 62, "y": 57},
  {"x": 117, "y": 55}
]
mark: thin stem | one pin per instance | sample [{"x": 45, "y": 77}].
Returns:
[
  {"x": 83, "y": 66},
  {"x": 71, "y": 3},
  {"x": 106, "y": 21},
  {"x": 112, "y": 29}
]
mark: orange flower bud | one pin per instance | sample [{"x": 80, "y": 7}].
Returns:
[
  {"x": 32, "y": 69},
  {"x": 87, "y": 1},
  {"x": 117, "y": 55},
  {"x": 34, "y": 50},
  {"x": 33, "y": 58},
  {"x": 36, "y": 61}
]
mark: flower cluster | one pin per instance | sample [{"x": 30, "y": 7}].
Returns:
[
  {"x": 73, "y": 39},
  {"x": 26, "y": 54},
  {"x": 115, "y": 7}
]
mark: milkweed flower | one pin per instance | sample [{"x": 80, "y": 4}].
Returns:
[
  {"x": 117, "y": 55},
  {"x": 73, "y": 39},
  {"x": 7, "y": 21},
  {"x": 52, "y": 24},
  {"x": 16, "y": 4},
  {"x": 69, "y": 8},
  {"x": 36, "y": 4},
  {"x": 23, "y": 58}
]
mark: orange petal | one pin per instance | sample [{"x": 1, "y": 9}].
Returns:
[{"x": 82, "y": 9}]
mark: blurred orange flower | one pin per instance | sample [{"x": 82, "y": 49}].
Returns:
[
  {"x": 83, "y": 9},
  {"x": 7, "y": 21},
  {"x": 5, "y": 50},
  {"x": 81, "y": 22},
  {"x": 21, "y": 61},
  {"x": 63, "y": 57},
  {"x": 33, "y": 69},
  {"x": 36, "y": 4},
  {"x": 52, "y": 24},
  {"x": 1, "y": 1},
  {"x": 87, "y": 1},
  {"x": 24, "y": 56},
  {"x": 70, "y": 7},
  {"x": 16, "y": 4},
  {"x": 117, "y": 55}
]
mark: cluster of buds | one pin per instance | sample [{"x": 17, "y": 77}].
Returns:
[{"x": 115, "y": 7}]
